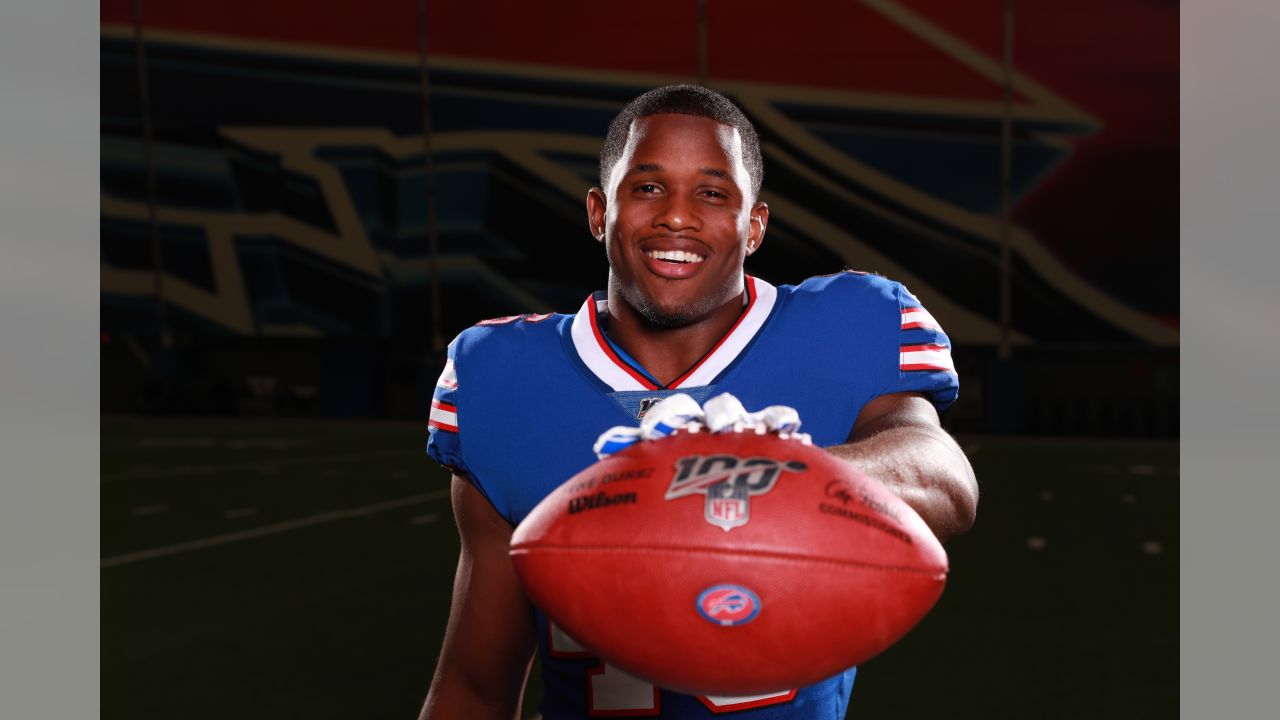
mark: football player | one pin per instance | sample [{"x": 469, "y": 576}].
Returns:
[{"x": 523, "y": 399}]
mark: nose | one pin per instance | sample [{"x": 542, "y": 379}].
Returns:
[{"x": 677, "y": 213}]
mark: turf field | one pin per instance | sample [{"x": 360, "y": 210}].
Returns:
[{"x": 281, "y": 569}]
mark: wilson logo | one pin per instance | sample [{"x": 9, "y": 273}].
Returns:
[
  {"x": 600, "y": 500},
  {"x": 728, "y": 482}
]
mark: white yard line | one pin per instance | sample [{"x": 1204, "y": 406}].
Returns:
[
  {"x": 265, "y": 530},
  {"x": 258, "y": 464}
]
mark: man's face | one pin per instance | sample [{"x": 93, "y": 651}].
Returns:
[{"x": 677, "y": 219}]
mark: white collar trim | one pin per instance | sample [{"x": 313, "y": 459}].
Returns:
[{"x": 596, "y": 354}]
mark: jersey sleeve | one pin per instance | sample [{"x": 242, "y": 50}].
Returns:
[
  {"x": 444, "y": 442},
  {"x": 924, "y": 359}
]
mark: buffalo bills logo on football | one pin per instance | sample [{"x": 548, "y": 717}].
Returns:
[
  {"x": 728, "y": 482},
  {"x": 728, "y": 605}
]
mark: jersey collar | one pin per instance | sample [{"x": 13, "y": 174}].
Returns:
[{"x": 604, "y": 363}]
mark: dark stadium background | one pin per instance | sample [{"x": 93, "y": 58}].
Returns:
[{"x": 276, "y": 544}]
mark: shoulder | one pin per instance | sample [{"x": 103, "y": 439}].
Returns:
[
  {"x": 850, "y": 290},
  {"x": 512, "y": 333},
  {"x": 865, "y": 309}
]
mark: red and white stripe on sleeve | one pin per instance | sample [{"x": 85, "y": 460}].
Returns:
[
  {"x": 449, "y": 378},
  {"x": 918, "y": 318},
  {"x": 927, "y": 357},
  {"x": 443, "y": 416},
  {"x": 444, "y": 409},
  {"x": 925, "y": 364}
]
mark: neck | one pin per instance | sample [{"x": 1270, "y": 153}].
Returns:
[{"x": 666, "y": 352}]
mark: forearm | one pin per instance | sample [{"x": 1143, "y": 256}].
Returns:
[
  {"x": 450, "y": 698},
  {"x": 483, "y": 665},
  {"x": 491, "y": 637},
  {"x": 925, "y": 467},
  {"x": 453, "y": 695}
]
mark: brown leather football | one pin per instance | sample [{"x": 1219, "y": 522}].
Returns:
[{"x": 732, "y": 563}]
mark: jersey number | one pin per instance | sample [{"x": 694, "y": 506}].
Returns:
[{"x": 612, "y": 692}]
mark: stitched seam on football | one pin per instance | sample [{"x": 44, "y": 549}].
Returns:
[{"x": 785, "y": 557}]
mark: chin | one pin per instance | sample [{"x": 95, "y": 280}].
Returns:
[
  {"x": 674, "y": 315},
  {"x": 675, "y": 304},
  {"x": 669, "y": 313},
  {"x": 668, "y": 318}
]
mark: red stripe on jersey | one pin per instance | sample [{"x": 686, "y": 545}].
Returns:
[
  {"x": 751, "y": 300},
  {"x": 926, "y": 366},
  {"x": 929, "y": 322},
  {"x": 443, "y": 407},
  {"x": 904, "y": 365},
  {"x": 734, "y": 707},
  {"x": 608, "y": 351}
]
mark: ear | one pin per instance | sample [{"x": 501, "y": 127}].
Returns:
[
  {"x": 759, "y": 221},
  {"x": 595, "y": 212}
]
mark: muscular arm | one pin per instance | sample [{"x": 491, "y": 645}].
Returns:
[
  {"x": 489, "y": 643},
  {"x": 898, "y": 440}
]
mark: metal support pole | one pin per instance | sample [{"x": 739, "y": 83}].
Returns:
[
  {"x": 1006, "y": 192},
  {"x": 148, "y": 159},
  {"x": 433, "y": 245}
]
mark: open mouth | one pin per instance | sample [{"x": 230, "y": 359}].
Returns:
[{"x": 675, "y": 256}]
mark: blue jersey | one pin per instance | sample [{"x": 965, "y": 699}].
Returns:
[{"x": 522, "y": 400}]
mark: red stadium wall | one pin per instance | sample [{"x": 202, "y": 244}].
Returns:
[
  {"x": 288, "y": 152},
  {"x": 1108, "y": 212}
]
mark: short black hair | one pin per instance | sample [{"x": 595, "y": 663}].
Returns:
[{"x": 683, "y": 100}]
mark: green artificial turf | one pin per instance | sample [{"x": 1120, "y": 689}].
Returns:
[{"x": 324, "y": 587}]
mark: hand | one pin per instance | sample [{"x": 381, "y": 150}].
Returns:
[{"x": 722, "y": 413}]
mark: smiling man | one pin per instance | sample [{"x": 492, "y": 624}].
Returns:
[
  {"x": 678, "y": 214},
  {"x": 522, "y": 400}
]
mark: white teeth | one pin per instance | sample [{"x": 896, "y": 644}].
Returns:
[{"x": 679, "y": 256}]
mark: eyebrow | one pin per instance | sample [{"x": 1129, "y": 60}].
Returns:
[
  {"x": 655, "y": 167},
  {"x": 644, "y": 168}
]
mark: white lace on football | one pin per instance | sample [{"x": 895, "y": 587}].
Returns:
[
  {"x": 725, "y": 412},
  {"x": 674, "y": 413},
  {"x": 722, "y": 413},
  {"x": 781, "y": 419}
]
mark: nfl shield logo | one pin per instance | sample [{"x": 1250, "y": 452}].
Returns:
[
  {"x": 728, "y": 505},
  {"x": 728, "y": 482}
]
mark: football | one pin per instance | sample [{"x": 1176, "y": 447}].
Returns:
[{"x": 728, "y": 564}]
